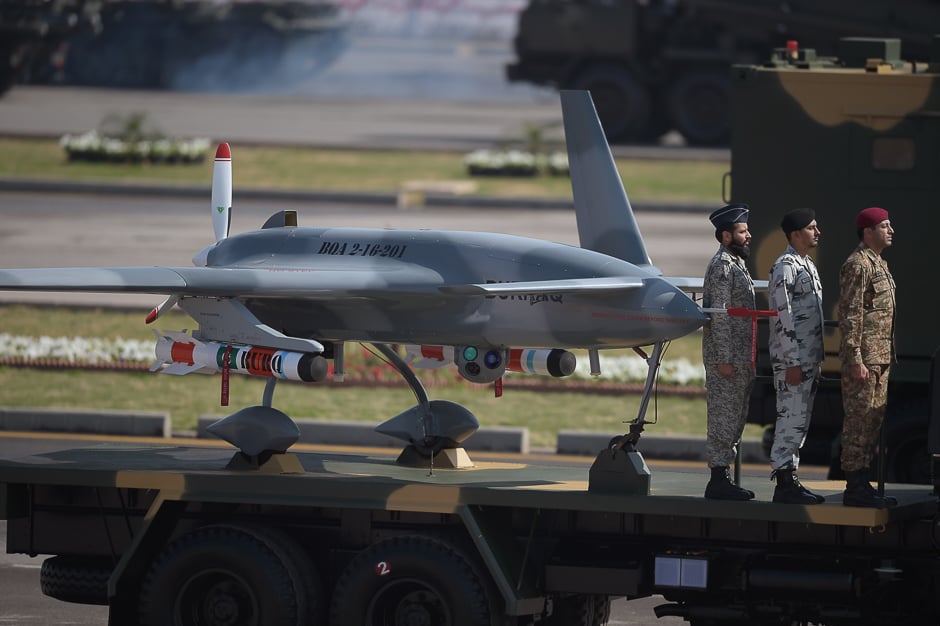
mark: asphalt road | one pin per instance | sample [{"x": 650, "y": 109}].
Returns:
[{"x": 327, "y": 121}]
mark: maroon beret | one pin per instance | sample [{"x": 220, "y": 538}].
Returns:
[{"x": 870, "y": 217}]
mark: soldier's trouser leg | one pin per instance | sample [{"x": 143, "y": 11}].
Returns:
[
  {"x": 864, "y": 402},
  {"x": 726, "y": 404},
  {"x": 794, "y": 410}
]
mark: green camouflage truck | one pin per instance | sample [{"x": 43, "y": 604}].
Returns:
[
  {"x": 189, "y": 535},
  {"x": 839, "y": 135},
  {"x": 656, "y": 65}
]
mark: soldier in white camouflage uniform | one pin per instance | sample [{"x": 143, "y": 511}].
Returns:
[
  {"x": 796, "y": 350},
  {"x": 726, "y": 349}
]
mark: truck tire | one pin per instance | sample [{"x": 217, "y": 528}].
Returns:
[
  {"x": 308, "y": 585},
  {"x": 700, "y": 106},
  {"x": 222, "y": 576},
  {"x": 412, "y": 580},
  {"x": 622, "y": 102},
  {"x": 74, "y": 579},
  {"x": 579, "y": 610}
]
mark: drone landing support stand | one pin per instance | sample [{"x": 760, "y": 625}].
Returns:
[
  {"x": 275, "y": 463},
  {"x": 621, "y": 469},
  {"x": 262, "y": 435},
  {"x": 448, "y": 458},
  {"x": 433, "y": 428}
]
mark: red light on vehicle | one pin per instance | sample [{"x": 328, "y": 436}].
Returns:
[{"x": 793, "y": 49}]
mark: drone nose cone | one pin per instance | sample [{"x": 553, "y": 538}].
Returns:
[{"x": 679, "y": 313}]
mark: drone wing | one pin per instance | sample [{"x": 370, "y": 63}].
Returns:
[
  {"x": 697, "y": 285},
  {"x": 287, "y": 283}
]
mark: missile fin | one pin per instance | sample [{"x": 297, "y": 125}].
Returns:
[{"x": 180, "y": 369}]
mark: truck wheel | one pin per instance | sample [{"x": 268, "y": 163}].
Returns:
[
  {"x": 700, "y": 106},
  {"x": 622, "y": 102},
  {"x": 79, "y": 580},
  {"x": 579, "y": 610},
  {"x": 222, "y": 576},
  {"x": 308, "y": 585},
  {"x": 411, "y": 580}
]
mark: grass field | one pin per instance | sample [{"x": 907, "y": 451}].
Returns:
[{"x": 359, "y": 170}]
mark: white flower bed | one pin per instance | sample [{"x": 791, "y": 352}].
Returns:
[
  {"x": 77, "y": 349},
  {"x": 91, "y": 146},
  {"x": 632, "y": 368},
  {"x": 514, "y": 163}
]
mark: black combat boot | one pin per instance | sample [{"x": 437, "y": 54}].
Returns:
[
  {"x": 720, "y": 487},
  {"x": 859, "y": 492},
  {"x": 790, "y": 490}
]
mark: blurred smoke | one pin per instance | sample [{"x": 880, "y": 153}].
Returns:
[{"x": 427, "y": 49}]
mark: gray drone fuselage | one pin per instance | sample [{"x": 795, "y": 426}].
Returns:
[{"x": 412, "y": 286}]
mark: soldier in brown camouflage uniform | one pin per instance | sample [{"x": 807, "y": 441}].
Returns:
[
  {"x": 726, "y": 349},
  {"x": 866, "y": 322}
]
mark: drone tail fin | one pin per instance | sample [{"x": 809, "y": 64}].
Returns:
[{"x": 605, "y": 218}]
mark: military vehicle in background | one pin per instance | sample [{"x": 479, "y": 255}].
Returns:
[
  {"x": 840, "y": 135},
  {"x": 228, "y": 45},
  {"x": 33, "y": 31},
  {"x": 656, "y": 65}
]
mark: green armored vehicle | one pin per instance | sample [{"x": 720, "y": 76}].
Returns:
[
  {"x": 839, "y": 135},
  {"x": 223, "y": 45},
  {"x": 656, "y": 65},
  {"x": 33, "y": 31}
]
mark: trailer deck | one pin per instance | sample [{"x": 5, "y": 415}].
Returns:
[{"x": 200, "y": 474}]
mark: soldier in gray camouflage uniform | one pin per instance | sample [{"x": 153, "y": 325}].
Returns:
[
  {"x": 796, "y": 350},
  {"x": 866, "y": 322},
  {"x": 726, "y": 349}
]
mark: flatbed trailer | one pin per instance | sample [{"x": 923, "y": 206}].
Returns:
[{"x": 189, "y": 535}]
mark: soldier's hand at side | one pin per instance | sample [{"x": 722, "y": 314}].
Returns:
[
  {"x": 858, "y": 371},
  {"x": 726, "y": 369},
  {"x": 794, "y": 375}
]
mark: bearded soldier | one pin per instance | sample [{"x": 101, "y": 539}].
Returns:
[
  {"x": 796, "y": 351},
  {"x": 866, "y": 322},
  {"x": 726, "y": 349}
]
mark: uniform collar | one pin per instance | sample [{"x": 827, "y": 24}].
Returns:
[
  {"x": 722, "y": 249},
  {"x": 792, "y": 250},
  {"x": 868, "y": 252}
]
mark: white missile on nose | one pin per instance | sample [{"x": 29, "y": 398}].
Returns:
[
  {"x": 222, "y": 192},
  {"x": 183, "y": 354}
]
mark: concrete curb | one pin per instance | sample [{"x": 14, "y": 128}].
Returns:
[{"x": 136, "y": 424}]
